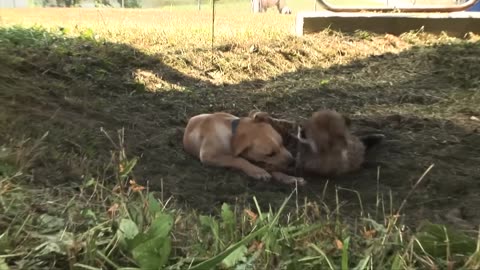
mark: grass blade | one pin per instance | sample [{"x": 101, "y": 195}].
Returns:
[
  {"x": 212, "y": 262},
  {"x": 317, "y": 249}
]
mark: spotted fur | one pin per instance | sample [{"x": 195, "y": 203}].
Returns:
[{"x": 306, "y": 156}]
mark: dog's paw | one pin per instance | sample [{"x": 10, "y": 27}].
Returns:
[
  {"x": 260, "y": 174},
  {"x": 300, "y": 181},
  {"x": 289, "y": 180}
]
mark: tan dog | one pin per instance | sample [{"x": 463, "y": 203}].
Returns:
[{"x": 224, "y": 140}]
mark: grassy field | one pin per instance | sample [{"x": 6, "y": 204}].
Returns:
[
  {"x": 244, "y": 6},
  {"x": 93, "y": 175},
  {"x": 296, "y": 6}
]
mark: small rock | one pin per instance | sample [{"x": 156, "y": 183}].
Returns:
[
  {"x": 474, "y": 118},
  {"x": 254, "y": 48}
]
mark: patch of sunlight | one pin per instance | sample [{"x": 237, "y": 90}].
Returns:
[{"x": 154, "y": 82}]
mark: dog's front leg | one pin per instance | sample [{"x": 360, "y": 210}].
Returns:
[
  {"x": 288, "y": 179},
  {"x": 237, "y": 163}
]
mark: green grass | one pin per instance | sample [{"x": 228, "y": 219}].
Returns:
[{"x": 93, "y": 176}]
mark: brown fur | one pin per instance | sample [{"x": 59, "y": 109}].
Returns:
[
  {"x": 210, "y": 138},
  {"x": 286, "y": 128},
  {"x": 331, "y": 148},
  {"x": 328, "y": 148}
]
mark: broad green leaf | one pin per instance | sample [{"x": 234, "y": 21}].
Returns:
[
  {"x": 160, "y": 227},
  {"x": 228, "y": 219},
  {"x": 133, "y": 236},
  {"x": 140, "y": 238},
  {"x": 154, "y": 207},
  {"x": 236, "y": 256},
  {"x": 127, "y": 229},
  {"x": 227, "y": 215},
  {"x": 152, "y": 249},
  {"x": 136, "y": 213},
  {"x": 153, "y": 253}
]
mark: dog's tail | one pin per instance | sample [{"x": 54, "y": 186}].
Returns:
[{"x": 371, "y": 140}]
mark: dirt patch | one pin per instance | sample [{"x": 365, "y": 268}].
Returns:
[{"x": 422, "y": 98}]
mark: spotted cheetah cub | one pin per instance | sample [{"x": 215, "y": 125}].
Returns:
[{"x": 324, "y": 144}]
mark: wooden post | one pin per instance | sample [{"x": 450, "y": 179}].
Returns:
[{"x": 199, "y": 4}]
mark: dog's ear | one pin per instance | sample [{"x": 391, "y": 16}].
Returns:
[
  {"x": 347, "y": 120},
  {"x": 260, "y": 117},
  {"x": 239, "y": 144}
]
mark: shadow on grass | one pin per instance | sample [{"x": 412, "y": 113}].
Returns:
[{"x": 72, "y": 87}]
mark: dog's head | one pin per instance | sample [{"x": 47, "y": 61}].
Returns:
[
  {"x": 326, "y": 131},
  {"x": 258, "y": 141}
]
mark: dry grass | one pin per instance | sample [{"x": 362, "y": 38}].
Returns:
[{"x": 186, "y": 33}]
